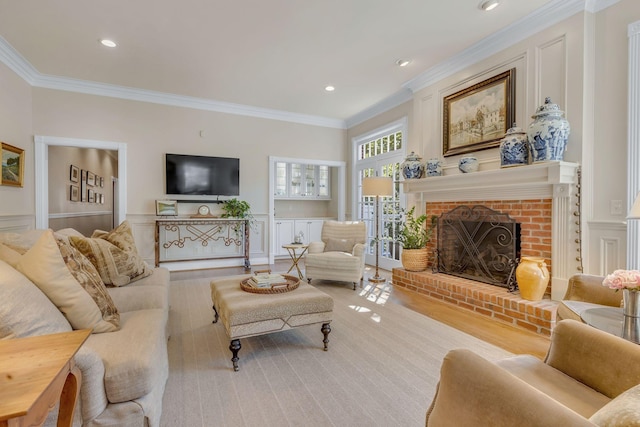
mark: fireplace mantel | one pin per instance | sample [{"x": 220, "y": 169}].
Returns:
[
  {"x": 541, "y": 180},
  {"x": 550, "y": 180}
]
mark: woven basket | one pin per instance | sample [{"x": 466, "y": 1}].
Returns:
[
  {"x": 415, "y": 259},
  {"x": 291, "y": 283}
]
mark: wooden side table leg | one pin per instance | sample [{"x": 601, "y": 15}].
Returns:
[
  {"x": 235, "y": 346},
  {"x": 69, "y": 397},
  {"x": 326, "y": 329}
]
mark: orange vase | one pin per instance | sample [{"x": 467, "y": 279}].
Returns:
[{"x": 532, "y": 276}]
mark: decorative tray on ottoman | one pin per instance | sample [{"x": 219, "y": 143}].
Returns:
[{"x": 266, "y": 283}]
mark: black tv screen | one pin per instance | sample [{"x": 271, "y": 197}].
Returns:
[{"x": 202, "y": 175}]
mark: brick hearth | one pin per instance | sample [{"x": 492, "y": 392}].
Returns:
[{"x": 485, "y": 299}]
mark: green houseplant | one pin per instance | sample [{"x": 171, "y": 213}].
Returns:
[
  {"x": 413, "y": 234},
  {"x": 234, "y": 208}
]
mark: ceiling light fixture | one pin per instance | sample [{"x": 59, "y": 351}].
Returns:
[
  {"x": 329, "y": 88},
  {"x": 402, "y": 62},
  {"x": 488, "y": 5},
  {"x": 108, "y": 43}
]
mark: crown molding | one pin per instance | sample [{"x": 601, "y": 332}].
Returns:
[
  {"x": 16, "y": 62},
  {"x": 542, "y": 18},
  {"x": 386, "y": 104}
]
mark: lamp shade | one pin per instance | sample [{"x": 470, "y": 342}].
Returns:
[
  {"x": 377, "y": 186},
  {"x": 634, "y": 213}
]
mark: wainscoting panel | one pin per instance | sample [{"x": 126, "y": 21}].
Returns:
[
  {"x": 551, "y": 71},
  {"x": 17, "y": 223},
  {"x": 607, "y": 247}
]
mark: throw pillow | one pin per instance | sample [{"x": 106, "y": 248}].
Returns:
[
  {"x": 25, "y": 311},
  {"x": 339, "y": 245},
  {"x": 8, "y": 255},
  {"x": 623, "y": 411},
  {"x": 114, "y": 254},
  {"x": 45, "y": 266}
]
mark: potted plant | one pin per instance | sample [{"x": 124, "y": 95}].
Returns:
[
  {"x": 234, "y": 208},
  {"x": 414, "y": 234}
]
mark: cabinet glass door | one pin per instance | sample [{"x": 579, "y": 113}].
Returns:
[
  {"x": 323, "y": 181},
  {"x": 296, "y": 180},
  {"x": 309, "y": 180},
  {"x": 281, "y": 179}
]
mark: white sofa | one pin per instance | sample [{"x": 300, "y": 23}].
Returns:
[{"x": 124, "y": 372}]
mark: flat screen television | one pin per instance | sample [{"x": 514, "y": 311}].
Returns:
[{"x": 202, "y": 175}]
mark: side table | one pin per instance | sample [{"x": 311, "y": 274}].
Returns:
[
  {"x": 36, "y": 372},
  {"x": 295, "y": 256},
  {"x": 612, "y": 320}
]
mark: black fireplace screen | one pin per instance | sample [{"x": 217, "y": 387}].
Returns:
[{"x": 478, "y": 243}]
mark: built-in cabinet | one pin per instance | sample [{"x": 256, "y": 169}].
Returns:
[
  {"x": 301, "y": 181},
  {"x": 287, "y": 229}
]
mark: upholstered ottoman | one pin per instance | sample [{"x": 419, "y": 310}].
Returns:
[{"x": 246, "y": 314}]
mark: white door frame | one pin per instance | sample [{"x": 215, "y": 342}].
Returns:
[{"x": 42, "y": 144}]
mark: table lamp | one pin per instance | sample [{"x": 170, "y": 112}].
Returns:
[{"x": 379, "y": 186}]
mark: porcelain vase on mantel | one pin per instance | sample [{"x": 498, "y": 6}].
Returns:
[
  {"x": 548, "y": 133},
  {"x": 412, "y": 167},
  {"x": 532, "y": 276},
  {"x": 514, "y": 148}
]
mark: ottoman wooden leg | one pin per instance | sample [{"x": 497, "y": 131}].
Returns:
[
  {"x": 215, "y": 319},
  {"x": 235, "y": 348},
  {"x": 326, "y": 328}
]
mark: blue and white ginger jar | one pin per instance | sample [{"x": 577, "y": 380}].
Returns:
[
  {"x": 514, "y": 148},
  {"x": 468, "y": 164},
  {"x": 548, "y": 133},
  {"x": 433, "y": 167},
  {"x": 412, "y": 166}
]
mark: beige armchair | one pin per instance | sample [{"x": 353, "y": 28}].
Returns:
[
  {"x": 588, "y": 378},
  {"x": 586, "y": 291},
  {"x": 340, "y": 254}
]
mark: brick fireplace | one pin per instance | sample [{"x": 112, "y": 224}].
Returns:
[{"x": 541, "y": 198}]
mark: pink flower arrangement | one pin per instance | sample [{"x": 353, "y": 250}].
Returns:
[{"x": 623, "y": 279}]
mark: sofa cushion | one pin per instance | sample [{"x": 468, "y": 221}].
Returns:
[
  {"x": 135, "y": 357},
  {"x": 46, "y": 267},
  {"x": 623, "y": 411},
  {"x": 555, "y": 384},
  {"x": 25, "y": 311},
  {"x": 114, "y": 255},
  {"x": 339, "y": 245}
]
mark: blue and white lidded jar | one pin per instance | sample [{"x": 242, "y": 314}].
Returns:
[
  {"x": 548, "y": 133},
  {"x": 433, "y": 167},
  {"x": 468, "y": 164},
  {"x": 412, "y": 166},
  {"x": 514, "y": 148}
]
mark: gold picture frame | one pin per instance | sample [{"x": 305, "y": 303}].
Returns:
[
  {"x": 476, "y": 118},
  {"x": 12, "y": 165}
]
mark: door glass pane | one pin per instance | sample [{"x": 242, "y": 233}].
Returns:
[
  {"x": 323, "y": 181},
  {"x": 296, "y": 179},
  {"x": 281, "y": 179},
  {"x": 310, "y": 180}
]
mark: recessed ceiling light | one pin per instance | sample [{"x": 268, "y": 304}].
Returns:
[
  {"x": 402, "y": 62},
  {"x": 108, "y": 43},
  {"x": 329, "y": 88},
  {"x": 488, "y": 5}
]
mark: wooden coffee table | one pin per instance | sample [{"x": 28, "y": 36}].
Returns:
[
  {"x": 34, "y": 373},
  {"x": 246, "y": 314}
]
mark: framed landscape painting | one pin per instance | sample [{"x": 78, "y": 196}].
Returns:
[
  {"x": 476, "y": 118},
  {"x": 12, "y": 165}
]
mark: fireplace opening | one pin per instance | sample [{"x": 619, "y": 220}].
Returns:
[{"x": 478, "y": 243}]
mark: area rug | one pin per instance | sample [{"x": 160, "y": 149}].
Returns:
[{"x": 381, "y": 369}]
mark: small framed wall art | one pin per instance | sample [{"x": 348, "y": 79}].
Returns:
[
  {"x": 74, "y": 174},
  {"x": 91, "y": 179},
  {"x": 166, "y": 207},
  {"x": 74, "y": 193},
  {"x": 12, "y": 165}
]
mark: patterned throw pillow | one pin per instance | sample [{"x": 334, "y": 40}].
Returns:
[
  {"x": 114, "y": 255},
  {"x": 85, "y": 302},
  {"x": 623, "y": 411},
  {"x": 87, "y": 275}
]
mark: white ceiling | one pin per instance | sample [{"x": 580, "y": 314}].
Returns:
[{"x": 275, "y": 54}]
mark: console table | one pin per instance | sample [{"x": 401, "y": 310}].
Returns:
[
  {"x": 36, "y": 372},
  {"x": 193, "y": 239}
]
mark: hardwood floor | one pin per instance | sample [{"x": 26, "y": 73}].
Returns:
[{"x": 505, "y": 336}]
